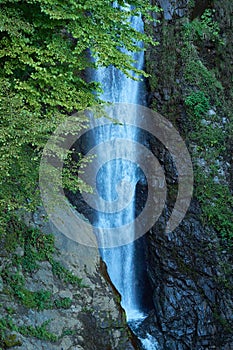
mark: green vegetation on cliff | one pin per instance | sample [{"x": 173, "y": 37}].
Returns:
[
  {"x": 191, "y": 78},
  {"x": 210, "y": 118}
]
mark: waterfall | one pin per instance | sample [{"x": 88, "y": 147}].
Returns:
[
  {"x": 117, "y": 87},
  {"x": 120, "y": 261}
]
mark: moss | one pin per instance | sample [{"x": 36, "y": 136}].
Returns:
[
  {"x": 183, "y": 267},
  {"x": 10, "y": 310},
  {"x": 39, "y": 332},
  {"x": 62, "y": 273},
  {"x": 37, "y": 247},
  {"x": 225, "y": 324},
  {"x": 63, "y": 303},
  {"x": 11, "y": 341},
  {"x": 15, "y": 283},
  {"x": 11, "y": 238},
  {"x": 35, "y": 300}
]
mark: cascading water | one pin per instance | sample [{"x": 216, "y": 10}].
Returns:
[
  {"x": 120, "y": 261},
  {"x": 117, "y": 87}
]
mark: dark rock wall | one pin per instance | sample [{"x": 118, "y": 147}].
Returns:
[{"x": 190, "y": 269}]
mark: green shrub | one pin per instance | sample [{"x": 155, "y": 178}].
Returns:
[
  {"x": 203, "y": 28},
  {"x": 198, "y": 103}
]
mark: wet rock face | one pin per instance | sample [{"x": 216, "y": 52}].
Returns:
[{"x": 189, "y": 270}]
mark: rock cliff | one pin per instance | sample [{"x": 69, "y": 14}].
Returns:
[
  {"x": 190, "y": 269},
  {"x": 60, "y": 300}
]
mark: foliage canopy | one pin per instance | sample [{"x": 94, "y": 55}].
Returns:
[{"x": 45, "y": 50}]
